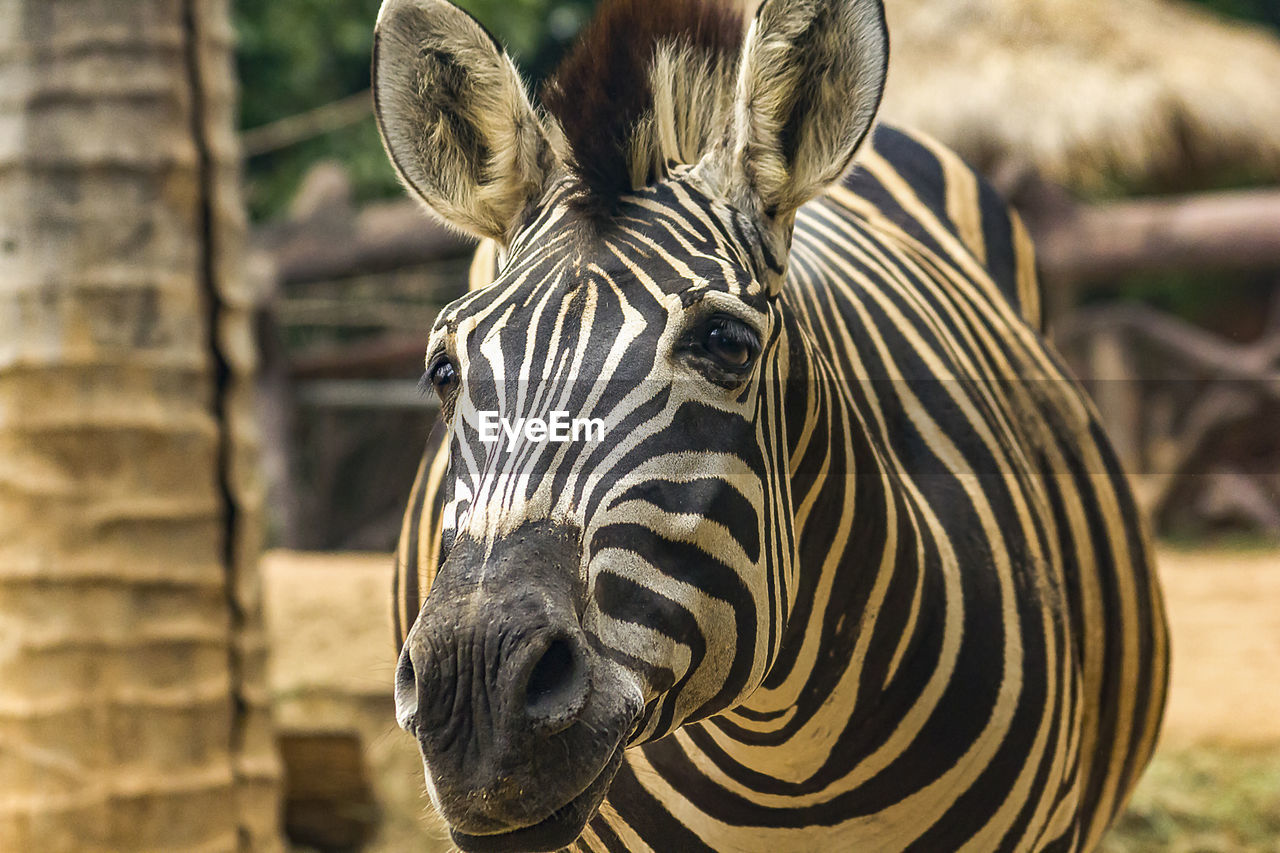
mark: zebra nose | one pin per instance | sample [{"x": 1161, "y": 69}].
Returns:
[
  {"x": 543, "y": 686},
  {"x": 558, "y": 683}
]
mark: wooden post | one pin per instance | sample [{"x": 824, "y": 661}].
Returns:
[{"x": 133, "y": 705}]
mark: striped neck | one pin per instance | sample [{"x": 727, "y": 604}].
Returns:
[{"x": 865, "y": 630}]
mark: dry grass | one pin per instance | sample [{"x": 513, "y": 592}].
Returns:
[
  {"x": 1092, "y": 92},
  {"x": 1207, "y": 799}
]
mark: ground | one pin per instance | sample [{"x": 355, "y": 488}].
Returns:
[
  {"x": 1214, "y": 786},
  {"x": 1224, "y": 615}
]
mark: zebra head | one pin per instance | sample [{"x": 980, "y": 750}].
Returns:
[{"x": 599, "y": 592}]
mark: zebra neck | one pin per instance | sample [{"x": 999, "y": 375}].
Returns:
[{"x": 868, "y": 596}]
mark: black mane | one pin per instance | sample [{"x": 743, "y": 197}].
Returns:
[{"x": 602, "y": 90}]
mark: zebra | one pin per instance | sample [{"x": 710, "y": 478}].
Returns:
[{"x": 854, "y": 567}]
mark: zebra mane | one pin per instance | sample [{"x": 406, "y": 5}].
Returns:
[{"x": 649, "y": 84}]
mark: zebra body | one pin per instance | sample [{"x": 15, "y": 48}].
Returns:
[{"x": 880, "y": 586}]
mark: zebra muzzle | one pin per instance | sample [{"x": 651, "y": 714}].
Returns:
[{"x": 521, "y": 721}]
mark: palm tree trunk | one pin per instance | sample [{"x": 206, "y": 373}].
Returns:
[{"x": 133, "y": 710}]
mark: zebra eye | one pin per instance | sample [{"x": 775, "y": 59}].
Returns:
[
  {"x": 442, "y": 376},
  {"x": 731, "y": 341}
]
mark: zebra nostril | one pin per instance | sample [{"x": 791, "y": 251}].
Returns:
[{"x": 558, "y": 686}]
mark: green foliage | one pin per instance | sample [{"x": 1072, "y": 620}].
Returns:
[
  {"x": 299, "y": 54},
  {"x": 296, "y": 55},
  {"x": 1260, "y": 11},
  {"x": 535, "y": 32}
]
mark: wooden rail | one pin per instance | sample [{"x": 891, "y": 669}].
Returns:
[
  {"x": 1077, "y": 242},
  {"x": 1212, "y": 231}
]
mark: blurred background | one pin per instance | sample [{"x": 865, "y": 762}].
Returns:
[{"x": 214, "y": 298}]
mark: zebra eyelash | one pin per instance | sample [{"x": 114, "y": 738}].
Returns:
[
  {"x": 700, "y": 354},
  {"x": 428, "y": 384},
  {"x": 734, "y": 329}
]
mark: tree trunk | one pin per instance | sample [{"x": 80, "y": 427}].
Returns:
[{"x": 133, "y": 709}]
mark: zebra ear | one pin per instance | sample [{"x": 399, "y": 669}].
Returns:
[
  {"x": 810, "y": 83},
  {"x": 455, "y": 118}
]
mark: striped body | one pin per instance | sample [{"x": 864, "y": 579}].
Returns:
[{"x": 938, "y": 623}]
